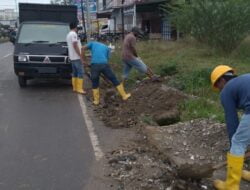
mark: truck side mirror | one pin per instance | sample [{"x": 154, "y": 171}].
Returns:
[{"x": 12, "y": 37}]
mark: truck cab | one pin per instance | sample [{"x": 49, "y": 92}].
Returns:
[{"x": 40, "y": 47}]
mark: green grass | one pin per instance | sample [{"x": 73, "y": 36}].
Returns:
[
  {"x": 201, "y": 108},
  {"x": 189, "y": 65}
]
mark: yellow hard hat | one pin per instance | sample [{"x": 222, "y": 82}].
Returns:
[{"x": 219, "y": 71}]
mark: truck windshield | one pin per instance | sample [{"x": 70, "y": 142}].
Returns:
[{"x": 43, "y": 33}]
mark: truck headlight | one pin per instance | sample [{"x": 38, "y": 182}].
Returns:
[
  {"x": 22, "y": 58},
  {"x": 67, "y": 60}
]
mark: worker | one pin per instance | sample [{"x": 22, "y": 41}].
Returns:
[
  {"x": 74, "y": 49},
  {"x": 234, "y": 94},
  {"x": 100, "y": 54},
  {"x": 130, "y": 57}
]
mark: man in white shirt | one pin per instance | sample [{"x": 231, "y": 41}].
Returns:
[{"x": 74, "y": 48}]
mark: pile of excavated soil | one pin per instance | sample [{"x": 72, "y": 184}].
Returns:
[
  {"x": 197, "y": 141},
  {"x": 154, "y": 160},
  {"x": 148, "y": 101},
  {"x": 191, "y": 146},
  {"x": 140, "y": 166},
  {"x": 159, "y": 152}
]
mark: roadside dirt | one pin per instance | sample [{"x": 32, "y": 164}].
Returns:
[
  {"x": 149, "y": 100},
  {"x": 140, "y": 166},
  {"x": 152, "y": 161}
]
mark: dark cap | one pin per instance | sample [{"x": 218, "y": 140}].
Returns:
[
  {"x": 72, "y": 25},
  {"x": 137, "y": 31}
]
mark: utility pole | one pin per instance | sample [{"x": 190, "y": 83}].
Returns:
[
  {"x": 16, "y": 6},
  {"x": 134, "y": 15},
  {"x": 88, "y": 20},
  {"x": 122, "y": 12},
  {"x": 83, "y": 19}
]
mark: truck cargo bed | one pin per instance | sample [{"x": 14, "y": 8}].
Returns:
[{"x": 43, "y": 12}]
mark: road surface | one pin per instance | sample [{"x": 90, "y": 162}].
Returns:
[{"x": 45, "y": 143}]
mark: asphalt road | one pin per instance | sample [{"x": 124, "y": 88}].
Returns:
[{"x": 44, "y": 141}]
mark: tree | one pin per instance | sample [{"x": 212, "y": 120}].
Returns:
[{"x": 221, "y": 24}]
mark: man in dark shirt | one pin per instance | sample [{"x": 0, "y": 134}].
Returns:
[
  {"x": 234, "y": 94},
  {"x": 130, "y": 57}
]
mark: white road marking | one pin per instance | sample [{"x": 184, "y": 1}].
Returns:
[
  {"x": 7, "y": 55},
  {"x": 93, "y": 137}
]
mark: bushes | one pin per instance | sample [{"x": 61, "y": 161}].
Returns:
[{"x": 221, "y": 24}]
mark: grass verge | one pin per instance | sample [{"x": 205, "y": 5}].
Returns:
[{"x": 188, "y": 65}]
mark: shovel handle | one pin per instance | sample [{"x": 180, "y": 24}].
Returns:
[{"x": 220, "y": 165}]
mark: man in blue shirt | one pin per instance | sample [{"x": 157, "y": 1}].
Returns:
[
  {"x": 100, "y": 54},
  {"x": 234, "y": 94}
]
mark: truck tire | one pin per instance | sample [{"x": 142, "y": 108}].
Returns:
[{"x": 22, "y": 81}]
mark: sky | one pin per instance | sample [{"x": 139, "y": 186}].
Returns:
[{"x": 12, "y": 4}]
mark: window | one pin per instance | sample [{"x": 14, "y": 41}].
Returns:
[{"x": 47, "y": 32}]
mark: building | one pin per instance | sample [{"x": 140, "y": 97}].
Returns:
[
  {"x": 8, "y": 14},
  {"x": 8, "y": 17},
  {"x": 145, "y": 14}
]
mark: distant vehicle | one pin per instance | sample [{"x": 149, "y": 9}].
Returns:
[
  {"x": 81, "y": 34},
  {"x": 40, "y": 46},
  {"x": 107, "y": 28}
]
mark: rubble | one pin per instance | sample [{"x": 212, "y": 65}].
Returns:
[
  {"x": 154, "y": 159},
  {"x": 158, "y": 154},
  {"x": 198, "y": 141},
  {"x": 141, "y": 167}
]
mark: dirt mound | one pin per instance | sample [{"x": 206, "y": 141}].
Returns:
[
  {"x": 140, "y": 166},
  {"x": 148, "y": 101},
  {"x": 191, "y": 145},
  {"x": 153, "y": 161}
]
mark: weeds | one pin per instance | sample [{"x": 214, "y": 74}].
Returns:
[
  {"x": 201, "y": 108},
  {"x": 167, "y": 69},
  {"x": 189, "y": 65}
]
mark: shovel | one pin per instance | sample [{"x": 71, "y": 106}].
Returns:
[{"x": 197, "y": 171}]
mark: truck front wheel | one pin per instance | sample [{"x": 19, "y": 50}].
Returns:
[{"x": 22, "y": 81}]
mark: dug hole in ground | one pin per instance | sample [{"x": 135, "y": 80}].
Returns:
[{"x": 165, "y": 154}]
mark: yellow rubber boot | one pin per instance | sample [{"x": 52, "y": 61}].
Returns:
[
  {"x": 79, "y": 86},
  {"x": 122, "y": 92},
  {"x": 73, "y": 80},
  {"x": 234, "y": 172},
  {"x": 246, "y": 175},
  {"x": 96, "y": 96}
]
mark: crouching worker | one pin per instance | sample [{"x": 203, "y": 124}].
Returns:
[
  {"x": 234, "y": 94},
  {"x": 99, "y": 65},
  {"x": 74, "y": 48}
]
